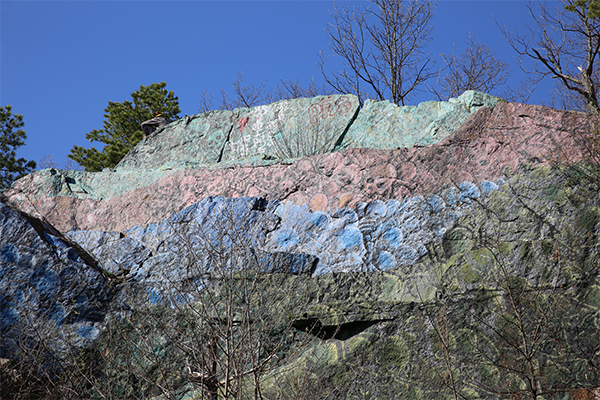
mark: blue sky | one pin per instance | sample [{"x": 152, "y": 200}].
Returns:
[{"x": 61, "y": 62}]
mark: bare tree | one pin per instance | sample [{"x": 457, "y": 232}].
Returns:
[
  {"x": 246, "y": 96},
  {"x": 223, "y": 331},
  {"x": 565, "y": 45},
  {"x": 243, "y": 96},
  {"x": 475, "y": 69},
  {"x": 47, "y": 161},
  {"x": 527, "y": 338},
  {"x": 206, "y": 102},
  {"x": 382, "y": 49},
  {"x": 251, "y": 96},
  {"x": 288, "y": 89}
]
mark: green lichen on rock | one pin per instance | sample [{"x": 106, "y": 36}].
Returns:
[
  {"x": 508, "y": 277},
  {"x": 384, "y": 125},
  {"x": 506, "y": 302},
  {"x": 589, "y": 218}
]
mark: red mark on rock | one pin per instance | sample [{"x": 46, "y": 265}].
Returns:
[{"x": 242, "y": 123}]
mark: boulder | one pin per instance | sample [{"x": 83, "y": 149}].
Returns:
[{"x": 49, "y": 286}]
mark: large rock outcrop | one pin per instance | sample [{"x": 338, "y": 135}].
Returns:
[
  {"x": 486, "y": 143},
  {"x": 518, "y": 268},
  {"x": 440, "y": 251}
]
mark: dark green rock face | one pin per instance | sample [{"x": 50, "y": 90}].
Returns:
[{"x": 504, "y": 305}]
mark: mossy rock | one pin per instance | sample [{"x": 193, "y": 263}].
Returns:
[
  {"x": 540, "y": 171},
  {"x": 468, "y": 393},
  {"x": 527, "y": 251},
  {"x": 505, "y": 248},
  {"x": 466, "y": 340},
  {"x": 592, "y": 296},
  {"x": 588, "y": 218},
  {"x": 490, "y": 375},
  {"x": 395, "y": 351},
  {"x": 457, "y": 241},
  {"x": 468, "y": 275}
]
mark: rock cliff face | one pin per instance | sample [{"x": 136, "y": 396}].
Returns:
[
  {"x": 483, "y": 146},
  {"x": 45, "y": 277},
  {"x": 444, "y": 250}
]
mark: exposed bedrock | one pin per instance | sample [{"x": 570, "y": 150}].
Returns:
[
  {"x": 489, "y": 141},
  {"x": 47, "y": 283},
  {"x": 416, "y": 242},
  {"x": 378, "y": 235}
]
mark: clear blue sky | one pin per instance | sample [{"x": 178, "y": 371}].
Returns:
[{"x": 62, "y": 61}]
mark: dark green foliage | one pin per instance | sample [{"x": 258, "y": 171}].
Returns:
[
  {"x": 11, "y": 167},
  {"x": 591, "y": 6},
  {"x": 122, "y": 129}
]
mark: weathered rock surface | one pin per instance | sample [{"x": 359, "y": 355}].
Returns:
[
  {"x": 384, "y": 125},
  {"x": 281, "y": 130},
  {"x": 45, "y": 283},
  {"x": 433, "y": 271},
  {"x": 148, "y": 262},
  {"x": 488, "y": 142},
  {"x": 524, "y": 254},
  {"x": 509, "y": 262},
  {"x": 294, "y": 128},
  {"x": 190, "y": 245},
  {"x": 292, "y": 239},
  {"x": 374, "y": 236}
]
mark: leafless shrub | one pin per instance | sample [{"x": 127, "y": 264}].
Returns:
[
  {"x": 530, "y": 333},
  {"x": 252, "y": 95},
  {"x": 315, "y": 139},
  {"x": 475, "y": 69},
  {"x": 47, "y": 161},
  {"x": 220, "y": 332}
]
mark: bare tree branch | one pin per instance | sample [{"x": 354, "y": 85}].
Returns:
[
  {"x": 564, "y": 44},
  {"x": 475, "y": 69},
  {"x": 252, "y": 95},
  {"x": 382, "y": 49}
]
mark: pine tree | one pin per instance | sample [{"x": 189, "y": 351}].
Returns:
[
  {"x": 11, "y": 167},
  {"x": 122, "y": 129}
]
